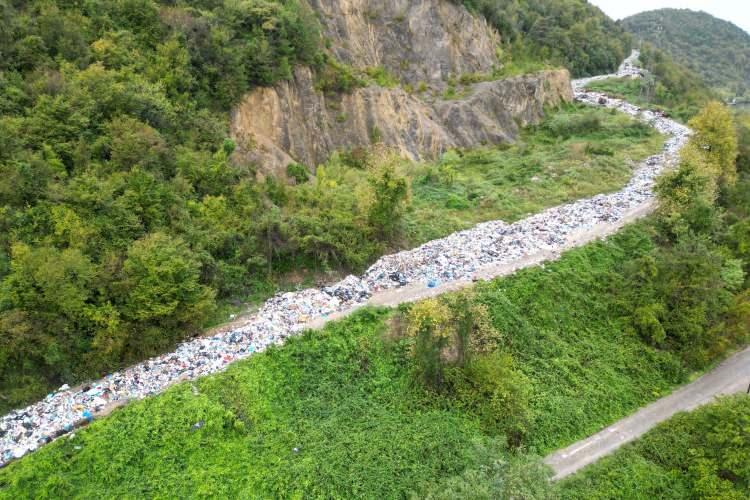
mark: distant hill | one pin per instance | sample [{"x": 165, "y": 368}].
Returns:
[{"x": 717, "y": 50}]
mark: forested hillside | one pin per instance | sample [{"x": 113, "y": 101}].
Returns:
[
  {"x": 717, "y": 50},
  {"x": 121, "y": 219},
  {"x": 127, "y": 221},
  {"x": 570, "y": 33}
]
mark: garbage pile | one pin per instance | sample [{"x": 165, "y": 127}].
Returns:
[
  {"x": 627, "y": 69},
  {"x": 456, "y": 257}
]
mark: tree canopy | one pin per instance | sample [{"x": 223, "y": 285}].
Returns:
[
  {"x": 716, "y": 50},
  {"x": 571, "y": 33},
  {"x": 122, "y": 217}
]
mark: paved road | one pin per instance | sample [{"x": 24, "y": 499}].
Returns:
[{"x": 730, "y": 377}]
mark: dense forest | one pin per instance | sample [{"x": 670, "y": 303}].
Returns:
[
  {"x": 716, "y": 50},
  {"x": 121, "y": 218},
  {"x": 569, "y": 33}
]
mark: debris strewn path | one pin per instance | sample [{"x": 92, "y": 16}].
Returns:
[
  {"x": 730, "y": 377},
  {"x": 486, "y": 251}
]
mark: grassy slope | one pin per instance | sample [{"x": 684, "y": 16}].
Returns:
[
  {"x": 344, "y": 398},
  {"x": 655, "y": 465},
  {"x": 496, "y": 182},
  {"x": 577, "y": 151},
  {"x": 552, "y": 163}
]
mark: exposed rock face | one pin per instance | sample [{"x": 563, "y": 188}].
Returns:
[{"x": 417, "y": 40}]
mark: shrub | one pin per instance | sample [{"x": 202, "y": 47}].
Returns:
[
  {"x": 382, "y": 77},
  {"x": 334, "y": 76},
  {"x": 391, "y": 195},
  {"x": 356, "y": 157},
  {"x": 496, "y": 392},
  {"x": 448, "y": 332},
  {"x": 297, "y": 172},
  {"x": 566, "y": 126}
]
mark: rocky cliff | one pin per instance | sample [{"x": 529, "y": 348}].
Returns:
[
  {"x": 420, "y": 42},
  {"x": 416, "y": 40}
]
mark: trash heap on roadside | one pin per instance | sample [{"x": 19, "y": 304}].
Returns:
[
  {"x": 456, "y": 257},
  {"x": 627, "y": 69}
]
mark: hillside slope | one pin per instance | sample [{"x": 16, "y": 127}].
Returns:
[
  {"x": 570, "y": 33},
  {"x": 407, "y": 100},
  {"x": 717, "y": 50}
]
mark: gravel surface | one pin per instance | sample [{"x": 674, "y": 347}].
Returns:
[{"x": 458, "y": 257}]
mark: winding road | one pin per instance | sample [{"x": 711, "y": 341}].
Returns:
[{"x": 730, "y": 377}]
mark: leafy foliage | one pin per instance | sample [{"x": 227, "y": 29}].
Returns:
[
  {"x": 715, "y": 49},
  {"x": 335, "y": 413},
  {"x": 667, "y": 85},
  {"x": 449, "y": 332},
  {"x": 571, "y": 33},
  {"x": 122, "y": 217},
  {"x": 681, "y": 294},
  {"x": 702, "y": 454},
  {"x": 346, "y": 399}
]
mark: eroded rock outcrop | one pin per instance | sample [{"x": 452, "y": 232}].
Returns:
[{"x": 418, "y": 41}]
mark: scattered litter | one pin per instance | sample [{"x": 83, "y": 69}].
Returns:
[{"x": 457, "y": 257}]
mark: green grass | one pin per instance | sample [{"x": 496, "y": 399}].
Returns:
[
  {"x": 345, "y": 398},
  {"x": 681, "y": 106},
  {"x": 623, "y": 88},
  {"x": 574, "y": 153},
  {"x": 702, "y": 454}
]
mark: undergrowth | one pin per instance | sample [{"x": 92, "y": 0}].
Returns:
[
  {"x": 715, "y": 437},
  {"x": 337, "y": 413},
  {"x": 574, "y": 153}
]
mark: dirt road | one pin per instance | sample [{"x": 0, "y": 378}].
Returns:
[{"x": 730, "y": 377}]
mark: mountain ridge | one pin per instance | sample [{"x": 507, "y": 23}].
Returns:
[{"x": 715, "y": 49}]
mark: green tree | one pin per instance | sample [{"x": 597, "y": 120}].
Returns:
[
  {"x": 391, "y": 194},
  {"x": 161, "y": 285},
  {"x": 715, "y": 133}
]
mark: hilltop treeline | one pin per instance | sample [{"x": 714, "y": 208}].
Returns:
[
  {"x": 716, "y": 50},
  {"x": 570, "y": 33}
]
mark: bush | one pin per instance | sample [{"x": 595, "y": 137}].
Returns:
[
  {"x": 701, "y": 454},
  {"x": 448, "y": 332},
  {"x": 391, "y": 195},
  {"x": 382, "y": 77},
  {"x": 566, "y": 126},
  {"x": 334, "y": 76},
  {"x": 297, "y": 172},
  {"x": 501, "y": 476},
  {"x": 490, "y": 387},
  {"x": 357, "y": 157}
]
